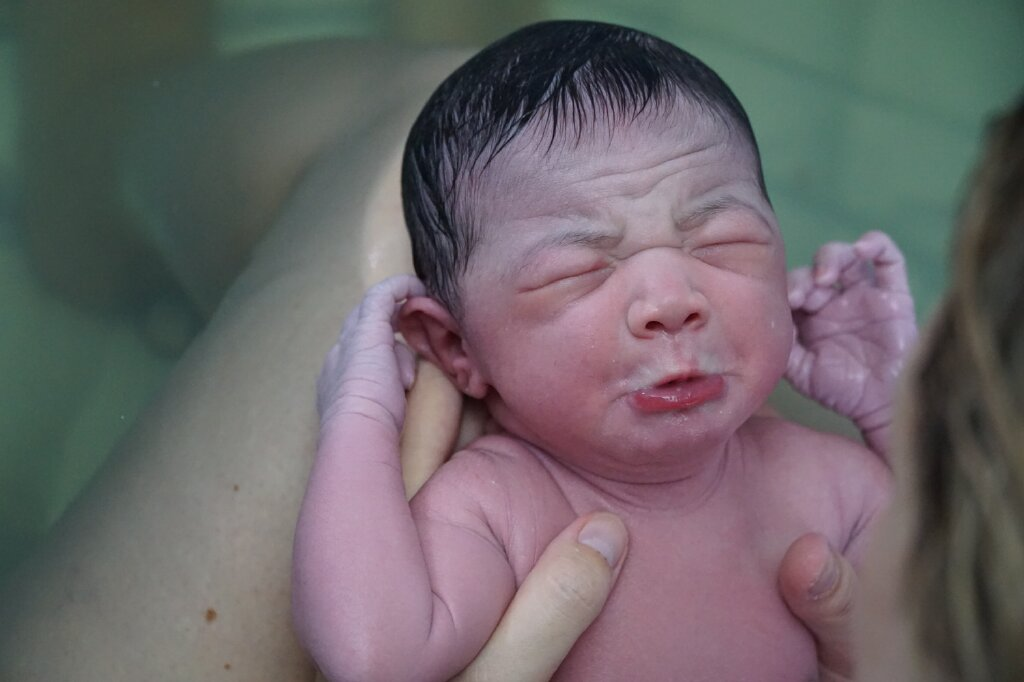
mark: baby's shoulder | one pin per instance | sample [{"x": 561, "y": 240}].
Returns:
[
  {"x": 785, "y": 445},
  {"x": 496, "y": 461},
  {"x": 502, "y": 483},
  {"x": 825, "y": 473},
  {"x": 495, "y": 472}
]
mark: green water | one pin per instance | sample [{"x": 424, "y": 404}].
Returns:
[{"x": 868, "y": 114}]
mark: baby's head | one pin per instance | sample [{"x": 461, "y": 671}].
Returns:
[
  {"x": 587, "y": 210},
  {"x": 556, "y": 83}
]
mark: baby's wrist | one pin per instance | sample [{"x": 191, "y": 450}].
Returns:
[{"x": 874, "y": 429}]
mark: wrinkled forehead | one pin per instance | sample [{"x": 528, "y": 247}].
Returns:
[
  {"x": 558, "y": 135},
  {"x": 552, "y": 153}
]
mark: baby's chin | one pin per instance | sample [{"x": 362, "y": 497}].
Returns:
[
  {"x": 651, "y": 462},
  {"x": 664, "y": 450}
]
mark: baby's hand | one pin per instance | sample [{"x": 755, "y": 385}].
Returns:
[
  {"x": 855, "y": 324},
  {"x": 368, "y": 370}
]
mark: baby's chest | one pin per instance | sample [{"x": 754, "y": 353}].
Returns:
[
  {"x": 698, "y": 595},
  {"x": 709, "y": 614}
]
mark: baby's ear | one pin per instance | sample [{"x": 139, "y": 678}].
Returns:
[{"x": 433, "y": 333}]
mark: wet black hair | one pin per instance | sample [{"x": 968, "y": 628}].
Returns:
[{"x": 562, "y": 74}]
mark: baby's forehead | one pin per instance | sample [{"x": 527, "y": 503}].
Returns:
[
  {"x": 549, "y": 140},
  {"x": 547, "y": 155}
]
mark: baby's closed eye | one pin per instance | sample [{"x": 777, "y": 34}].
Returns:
[
  {"x": 731, "y": 242},
  {"x": 571, "y": 273},
  {"x": 729, "y": 254}
]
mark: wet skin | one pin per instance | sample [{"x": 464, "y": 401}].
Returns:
[
  {"x": 625, "y": 314},
  {"x": 620, "y": 277}
]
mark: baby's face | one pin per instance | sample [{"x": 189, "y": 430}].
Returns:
[{"x": 627, "y": 301}]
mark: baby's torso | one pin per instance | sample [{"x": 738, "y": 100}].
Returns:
[
  {"x": 696, "y": 610},
  {"x": 697, "y": 598}
]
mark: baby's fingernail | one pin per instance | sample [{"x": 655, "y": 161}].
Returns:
[
  {"x": 826, "y": 582},
  {"x": 605, "y": 533}
]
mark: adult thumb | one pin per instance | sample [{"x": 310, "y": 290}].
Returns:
[
  {"x": 819, "y": 585},
  {"x": 557, "y": 601}
]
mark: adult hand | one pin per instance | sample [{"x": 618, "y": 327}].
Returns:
[
  {"x": 563, "y": 594},
  {"x": 855, "y": 325},
  {"x": 819, "y": 584}
]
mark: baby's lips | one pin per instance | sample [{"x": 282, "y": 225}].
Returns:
[{"x": 679, "y": 394}]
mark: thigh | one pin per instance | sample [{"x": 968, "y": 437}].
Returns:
[{"x": 175, "y": 564}]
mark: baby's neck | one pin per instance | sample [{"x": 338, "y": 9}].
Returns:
[{"x": 688, "y": 486}]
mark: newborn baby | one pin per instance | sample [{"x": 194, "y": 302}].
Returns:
[{"x": 603, "y": 269}]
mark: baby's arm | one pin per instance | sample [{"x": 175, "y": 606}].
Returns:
[
  {"x": 366, "y": 603},
  {"x": 855, "y": 325}
]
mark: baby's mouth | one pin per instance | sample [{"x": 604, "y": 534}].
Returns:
[{"x": 679, "y": 393}]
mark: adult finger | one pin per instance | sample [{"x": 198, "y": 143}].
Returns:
[
  {"x": 431, "y": 425},
  {"x": 559, "y": 599},
  {"x": 819, "y": 585},
  {"x": 890, "y": 266}
]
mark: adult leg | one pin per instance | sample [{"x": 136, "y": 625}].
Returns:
[{"x": 175, "y": 564}]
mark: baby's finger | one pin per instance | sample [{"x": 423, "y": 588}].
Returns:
[
  {"x": 831, "y": 260},
  {"x": 373, "y": 321},
  {"x": 842, "y": 265},
  {"x": 819, "y": 297},
  {"x": 798, "y": 366},
  {"x": 799, "y": 284},
  {"x": 890, "y": 266},
  {"x": 382, "y": 299},
  {"x": 349, "y": 324},
  {"x": 857, "y": 270},
  {"x": 406, "y": 364}
]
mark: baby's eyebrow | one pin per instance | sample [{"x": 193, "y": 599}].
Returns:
[
  {"x": 577, "y": 237},
  {"x": 714, "y": 205}
]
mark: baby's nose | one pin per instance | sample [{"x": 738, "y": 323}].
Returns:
[{"x": 667, "y": 300}]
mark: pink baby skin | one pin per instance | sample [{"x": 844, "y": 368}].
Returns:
[{"x": 625, "y": 315}]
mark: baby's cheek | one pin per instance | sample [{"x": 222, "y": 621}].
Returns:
[
  {"x": 782, "y": 326},
  {"x": 772, "y": 341}
]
